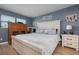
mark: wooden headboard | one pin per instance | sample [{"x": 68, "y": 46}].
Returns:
[{"x": 13, "y": 27}]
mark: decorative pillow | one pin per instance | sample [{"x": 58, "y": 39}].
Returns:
[
  {"x": 45, "y": 31},
  {"x": 39, "y": 30},
  {"x": 50, "y": 31}
]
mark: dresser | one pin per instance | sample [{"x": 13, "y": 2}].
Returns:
[{"x": 71, "y": 41}]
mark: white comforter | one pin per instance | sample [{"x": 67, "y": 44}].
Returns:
[{"x": 46, "y": 42}]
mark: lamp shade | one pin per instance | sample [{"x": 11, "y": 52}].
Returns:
[{"x": 68, "y": 27}]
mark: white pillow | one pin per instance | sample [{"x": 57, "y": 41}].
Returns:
[
  {"x": 46, "y": 31},
  {"x": 50, "y": 31},
  {"x": 39, "y": 30}
]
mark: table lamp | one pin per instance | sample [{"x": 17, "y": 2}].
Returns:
[{"x": 69, "y": 28}]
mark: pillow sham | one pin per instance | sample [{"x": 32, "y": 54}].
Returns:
[
  {"x": 50, "y": 31},
  {"x": 39, "y": 30},
  {"x": 46, "y": 31}
]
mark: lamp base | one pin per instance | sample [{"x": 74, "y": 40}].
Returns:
[{"x": 69, "y": 32}]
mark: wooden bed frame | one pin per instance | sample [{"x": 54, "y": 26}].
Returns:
[
  {"x": 24, "y": 48},
  {"x": 12, "y": 27}
]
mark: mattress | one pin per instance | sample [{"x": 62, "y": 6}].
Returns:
[{"x": 46, "y": 42}]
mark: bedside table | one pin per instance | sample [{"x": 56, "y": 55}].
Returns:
[{"x": 71, "y": 41}]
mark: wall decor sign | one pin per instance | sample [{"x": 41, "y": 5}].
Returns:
[{"x": 71, "y": 18}]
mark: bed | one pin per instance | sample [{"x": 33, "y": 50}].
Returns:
[{"x": 37, "y": 43}]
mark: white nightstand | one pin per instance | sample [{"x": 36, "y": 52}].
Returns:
[{"x": 70, "y": 41}]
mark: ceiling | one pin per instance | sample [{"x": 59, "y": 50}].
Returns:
[{"x": 33, "y": 10}]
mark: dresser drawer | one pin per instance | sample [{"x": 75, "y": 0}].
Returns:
[
  {"x": 71, "y": 39},
  {"x": 70, "y": 44}
]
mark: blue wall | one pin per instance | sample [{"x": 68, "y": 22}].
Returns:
[
  {"x": 4, "y": 31},
  {"x": 61, "y": 14}
]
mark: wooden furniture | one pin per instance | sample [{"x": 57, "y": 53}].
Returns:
[
  {"x": 70, "y": 41},
  {"x": 15, "y": 27}
]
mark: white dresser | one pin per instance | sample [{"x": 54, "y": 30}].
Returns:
[{"x": 71, "y": 41}]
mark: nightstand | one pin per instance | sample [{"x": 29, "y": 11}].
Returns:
[{"x": 71, "y": 41}]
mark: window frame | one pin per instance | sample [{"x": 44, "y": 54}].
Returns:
[
  {"x": 6, "y": 21},
  {"x": 21, "y": 21}
]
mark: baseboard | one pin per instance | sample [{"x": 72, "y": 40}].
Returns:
[{"x": 3, "y": 43}]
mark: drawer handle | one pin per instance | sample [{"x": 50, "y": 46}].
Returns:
[
  {"x": 69, "y": 39},
  {"x": 69, "y": 44}
]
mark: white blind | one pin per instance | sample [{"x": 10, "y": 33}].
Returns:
[{"x": 7, "y": 18}]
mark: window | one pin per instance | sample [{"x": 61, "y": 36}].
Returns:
[
  {"x": 5, "y": 19},
  {"x": 4, "y": 25},
  {"x": 21, "y": 20}
]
